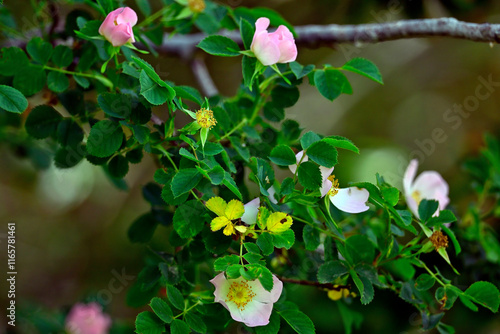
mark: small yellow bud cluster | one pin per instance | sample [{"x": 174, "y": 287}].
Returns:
[
  {"x": 196, "y": 6},
  {"x": 205, "y": 118},
  {"x": 439, "y": 240}
]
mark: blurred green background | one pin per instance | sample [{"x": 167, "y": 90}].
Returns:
[{"x": 72, "y": 224}]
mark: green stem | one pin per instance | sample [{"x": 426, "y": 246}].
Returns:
[
  {"x": 431, "y": 273},
  {"x": 237, "y": 127},
  {"x": 327, "y": 232},
  {"x": 187, "y": 310},
  {"x": 152, "y": 18},
  {"x": 55, "y": 69},
  {"x": 241, "y": 251}
]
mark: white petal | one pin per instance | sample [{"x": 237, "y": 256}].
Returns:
[
  {"x": 256, "y": 313},
  {"x": 264, "y": 296},
  {"x": 325, "y": 188},
  {"x": 272, "y": 192},
  {"x": 251, "y": 211},
  {"x": 325, "y": 172},
  {"x": 432, "y": 186},
  {"x": 409, "y": 176},
  {"x": 221, "y": 287},
  {"x": 298, "y": 157},
  {"x": 351, "y": 200}
]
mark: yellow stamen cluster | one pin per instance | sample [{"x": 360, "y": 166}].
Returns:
[
  {"x": 335, "y": 186},
  {"x": 205, "y": 118},
  {"x": 240, "y": 294},
  {"x": 196, "y": 6},
  {"x": 439, "y": 240},
  {"x": 416, "y": 196}
]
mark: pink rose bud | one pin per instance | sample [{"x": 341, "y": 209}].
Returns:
[
  {"x": 87, "y": 319},
  {"x": 117, "y": 27},
  {"x": 275, "y": 47}
]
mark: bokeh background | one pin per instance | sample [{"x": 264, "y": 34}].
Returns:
[{"x": 72, "y": 224}]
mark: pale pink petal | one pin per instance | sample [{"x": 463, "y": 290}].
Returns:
[
  {"x": 271, "y": 197},
  {"x": 409, "y": 176},
  {"x": 261, "y": 24},
  {"x": 284, "y": 33},
  {"x": 126, "y": 15},
  {"x": 121, "y": 35},
  {"x": 88, "y": 319},
  {"x": 256, "y": 313},
  {"x": 298, "y": 157},
  {"x": 412, "y": 204},
  {"x": 267, "y": 52},
  {"x": 107, "y": 26},
  {"x": 325, "y": 172},
  {"x": 288, "y": 51},
  {"x": 264, "y": 296},
  {"x": 251, "y": 211},
  {"x": 221, "y": 287},
  {"x": 431, "y": 185},
  {"x": 325, "y": 188},
  {"x": 351, "y": 200}
]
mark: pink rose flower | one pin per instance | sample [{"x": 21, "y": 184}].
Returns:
[
  {"x": 87, "y": 319},
  {"x": 247, "y": 301},
  {"x": 117, "y": 27},
  {"x": 428, "y": 185},
  {"x": 275, "y": 47}
]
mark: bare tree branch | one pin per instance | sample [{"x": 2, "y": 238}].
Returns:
[
  {"x": 329, "y": 35},
  {"x": 203, "y": 77}
]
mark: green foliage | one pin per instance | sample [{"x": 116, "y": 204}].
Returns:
[{"x": 115, "y": 110}]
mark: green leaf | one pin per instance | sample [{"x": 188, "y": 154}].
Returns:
[
  {"x": 265, "y": 243},
  {"x": 284, "y": 240},
  {"x": 252, "y": 257},
  {"x": 311, "y": 237},
  {"x": 323, "y": 153},
  {"x": 29, "y": 80},
  {"x": 179, "y": 327},
  {"x": 115, "y": 105},
  {"x": 285, "y": 97},
  {"x": 331, "y": 83},
  {"x": 287, "y": 186},
  {"x": 298, "y": 321},
  {"x": 141, "y": 133},
  {"x": 222, "y": 263},
  {"x": 151, "y": 73},
  {"x": 231, "y": 185},
  {"x": 195, "y": 322},
  {"x": 342, "y": 142},
  {"x": 57, "y": 82},
  {"x": 216, "y": 175},
  {"x": 300, "y": 71},
  {"x": 62, "y": 56},
  {"x": 365, "y": 68},
  {"x": 12, "y": 60},
  {"x": 247, "y": 31},
  {"x": 234, "y": 271},
  {"x": 349, "y": 317},
  {"x": 69, "y": 133},
  {"x": 309, "y": 175},
  {"x": 251, "y": 247},
  {"x": 175, "y": 297},
  {"x": 308, "y": 139},
  {"x": 144, "y": 7},
  {"x": 118, "y": 167},
  {"x": 426, "y": 209},
  {"x": 329, "y": 271},
  {"x": 188, "y": 219},
  {"x": 266, "y": 278},
  {"x": 39, "y": 50},
  {"x": 282, "y": 155},
  {"x": 185, "y": 180},
  {"x": 243, "y": 151},
  {"x": 424, "y": 282},
  {"x": 485, "y": 294},
  {"x": 142, "y": 229},
  {"x": 42, "y": 122},
  {"x": 391, "y": 195},
  {"x": 453, "y": 238},
  {"x": 248, "y": 66},
  {"x": 188, "y": 93},
  {"x": 161, "y": 309},
  {"x": 105, "y": 138},
  {"x": 12, "y": 100},
  {"x": 219, "y": 46},
  {"x": 148, "y": 323},
  {"x": 445, "y": 217},
  {"x": 69, "y": 156},
  {"x": 152, "y": 92}
]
